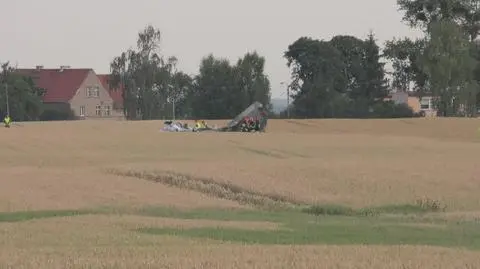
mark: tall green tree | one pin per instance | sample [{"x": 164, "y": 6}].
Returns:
[
  {"x": 147, "y": 78},
  {"x": 374, "y": 84},
  {"x": 364, "y": 71},
  {"x": 476, "y": 72},
  {"x": 405, "y": 54},
  {"x": 457, "y": 17},
  {"x": 222, "y": 90},
  {"x": 24, "y": 98},
  {"x": 353, "y": 55},
  {"x": 214, "y": 90},
  {"x": 471, "y": 18},
  {"x": 251, "y": 79},
  {"x": 319, "y": 78},
  {"x": 183, "y": 86},
  {"x": 343, "y": 77},
  {"x": 421, "y": 13},
  {"x": 449, "y": 64}
]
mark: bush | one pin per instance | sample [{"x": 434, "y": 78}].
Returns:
[
  {"x": 391, "y": 110},
  {"x": 431, "y": 205},
  {"x": 329, "y": 210},
  {"x": 357, "y": 109},
  {"x": 57, "y": 115}
]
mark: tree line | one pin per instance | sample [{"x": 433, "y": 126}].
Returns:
[
  {"x": 344, "y": 77},
  {"x": 153, "y": 88},
  {"x": 340, "y": 78},
  {"x": 445, "y": 63},
  {"x": 19, "y": 95}
]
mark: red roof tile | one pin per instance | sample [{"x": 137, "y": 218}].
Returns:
[
  {"x": 60, "y": 86},
  {"x": 116, "y": 94}
]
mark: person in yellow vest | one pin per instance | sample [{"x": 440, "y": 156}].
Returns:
[
  {"x": 198, "y": 124},
  {"x": 7, "y": 120}
]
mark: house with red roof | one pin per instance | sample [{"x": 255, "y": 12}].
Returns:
[
  {"x": 77, "y": 89},
  {"x": 115, "y": 93}
]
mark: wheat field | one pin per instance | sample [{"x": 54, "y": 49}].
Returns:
[{"x": 83, "y": 165}]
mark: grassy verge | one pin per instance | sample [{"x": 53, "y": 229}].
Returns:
[
  {"x": 43, "y": 214},
  {"x": 419, "y": 207},
  {"x": 330, "y": 229},
  {"x": 327, "y": 224},
  {"x": 332, "y": 224},
  {"x": 340, "y": 231},
  {"x": 220, "y": 214}
]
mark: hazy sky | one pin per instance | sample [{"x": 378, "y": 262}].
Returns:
[{"x": 90, "y": 33}]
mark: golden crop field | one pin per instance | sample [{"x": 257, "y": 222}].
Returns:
[{"x": 79, "y": 194}]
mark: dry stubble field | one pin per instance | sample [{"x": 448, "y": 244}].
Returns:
[{"x": 356, "y": 163}]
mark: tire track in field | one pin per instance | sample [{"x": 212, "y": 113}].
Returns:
[{"x": 213, "y": 188}]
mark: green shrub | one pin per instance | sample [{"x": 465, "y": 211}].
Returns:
[
  {"x": 57, "y": 115},
  {"x": 391, "y": 110},
  {"x": 330, "y": 210},
  {"x": 431, "y": 205}
]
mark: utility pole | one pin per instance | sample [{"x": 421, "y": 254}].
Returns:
[
  {"x": 173, "y": 105},
  {"x": 173, "y": 84},
  {"x": 288, "y": 98},
  {"x": 6, "y": 97},
  {"x": 288, "y": 101},
  {"x": 172, "y": 98}
]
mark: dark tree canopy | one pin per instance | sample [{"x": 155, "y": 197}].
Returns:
[
  {"x": 343, "y": 77},
  {"x": 445, "y": 62},
  {"x": 24, "y": 98},
  {"x": 154, "y": 88},
  {"x": 222, "y": 90}
]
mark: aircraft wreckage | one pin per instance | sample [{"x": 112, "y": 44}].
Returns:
[{"x": 252, "y": 119}]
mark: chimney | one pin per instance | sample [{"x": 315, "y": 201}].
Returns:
[
  {"x": 39, "y": 67},
  {"x": 63, "y": 67}
]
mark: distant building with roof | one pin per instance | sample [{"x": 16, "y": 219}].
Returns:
[{"x": 80, "y": 90}]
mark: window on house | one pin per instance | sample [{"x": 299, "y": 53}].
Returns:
[
  {"x": 107, "y": 111},
  {"x": 82, "y": 111},
  {"x": 98, "y": 110},
  {"x": 93, "y": 91},
  {"x": 425, "y": 103}
]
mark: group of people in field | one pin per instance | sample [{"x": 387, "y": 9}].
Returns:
[
  {"x": 171, "y": 126},
  {"x": 250, "y": 124}
]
